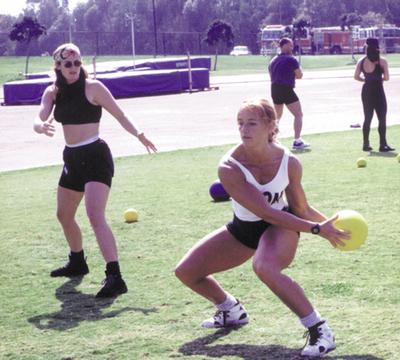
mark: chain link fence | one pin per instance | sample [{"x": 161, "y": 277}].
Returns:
[{"x": 120, "y": 43}]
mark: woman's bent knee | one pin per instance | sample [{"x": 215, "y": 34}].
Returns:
[
  {"x": 186, "y": 274},
  {"x": 265, "y": 270},
  {"x": 182, "y": 274}
]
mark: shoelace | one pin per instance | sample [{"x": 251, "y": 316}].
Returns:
[
  {"x": 312, "y": 334},
  {"x": 218, "y": 315}
]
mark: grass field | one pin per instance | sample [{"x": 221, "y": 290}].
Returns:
[
  {"x": 53, "y": 318},
  {"x": 12, "y": 68}
]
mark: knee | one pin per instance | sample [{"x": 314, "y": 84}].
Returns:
[
  {"x": 96, "y": 219},
  {"x": 64, "y": 217},
  {"x": 265, "y": 270},
  {"x": 186, "y": 274},
  {"x": 299, "y": 116},
  {"x": 182, "y": 274}
]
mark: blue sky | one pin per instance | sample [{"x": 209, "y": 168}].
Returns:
[{"x": 14, "y": 7}]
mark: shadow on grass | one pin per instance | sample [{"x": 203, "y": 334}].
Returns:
[
  {"x": 301, "y": 151},
  {"x": 77, "y": 307},
  {"x": 382, "y": 154},
  {"x": 201, "y": 346}
]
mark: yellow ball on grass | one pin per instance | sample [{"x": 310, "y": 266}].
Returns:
[
  {"x": 361, "y": 162},
  {"x": 355, "y": 223},
  {"x": 131, "y": 215}
]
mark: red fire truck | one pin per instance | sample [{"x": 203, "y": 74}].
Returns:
[
  {"x": 333, "y": 40},
  {"x": 271, "y": 34},
  {"x": 388, "y": 36},
  {"x": 324, "y": 40}
]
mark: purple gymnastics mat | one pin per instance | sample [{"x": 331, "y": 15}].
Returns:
[
  {"x": 121, "y": 84},
  {"x": 140, "y": 64}
]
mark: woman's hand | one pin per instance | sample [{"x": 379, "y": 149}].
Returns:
[
  {"x": 333, "y": 234},
  {"x": 48, "y": 128},
  {"x": 147, "y": 143}
]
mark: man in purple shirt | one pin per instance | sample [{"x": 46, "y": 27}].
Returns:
[{"x": 284, "y": 69}]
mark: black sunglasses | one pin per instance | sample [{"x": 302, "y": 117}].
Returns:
[{"x": 76, "y": 63}]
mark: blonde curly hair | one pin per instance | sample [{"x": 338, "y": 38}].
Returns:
[{"x": 265, "y": 111}]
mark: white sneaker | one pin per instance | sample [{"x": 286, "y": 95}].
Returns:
[
  {"x": 236, "y": 316},
  {"x": 320, "y": 341},
  {"x": 300, "y": 145}
]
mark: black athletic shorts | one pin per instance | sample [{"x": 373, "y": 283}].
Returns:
[
  {"x": 283, "y": 94},
  {"x": 249, "y": 232},
  {"x": 82, "y": 164}
]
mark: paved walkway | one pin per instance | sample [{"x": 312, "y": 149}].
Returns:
[{"x": 330, "y": 99}]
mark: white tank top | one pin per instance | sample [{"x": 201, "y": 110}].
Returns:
[{"x": 274, "y": 191}]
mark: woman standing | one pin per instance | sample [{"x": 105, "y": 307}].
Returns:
[
  {"x": 375, "y": 70},
  {"x": 270, "y": 209},
  {"x": 88, "y": 163}
]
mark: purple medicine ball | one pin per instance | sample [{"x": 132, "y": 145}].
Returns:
[{"x": 217, "y": 191}]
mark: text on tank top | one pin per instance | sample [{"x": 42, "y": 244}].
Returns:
[{"x": 274, "y": 190}]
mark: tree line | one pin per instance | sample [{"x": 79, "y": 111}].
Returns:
[{"x": 176, "y": 26}]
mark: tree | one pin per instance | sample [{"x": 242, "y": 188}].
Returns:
[
  {"x": 322, "y": 12},
  {"x": 219, "y": 33},
  {"x": 26, "y": 31},
  {"x": 392, "y": 11},
  {"x": 92, "y": 18},
  {"x": 6, "y": 22},
  {"x": 197, "y": 14},
  {"x": 372, "y": 19},
  {"x": 281, "y": 12},
  {"x": 48, "y": 12}
]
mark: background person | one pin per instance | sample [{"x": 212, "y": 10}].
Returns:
[
  {"x": 88, "y": 165},
  {"x": 264, "y": 181},
  {"x": 375, "y": 70},
  {"x": 284, "y": 69}
]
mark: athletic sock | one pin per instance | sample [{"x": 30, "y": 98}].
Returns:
[
  {"x": 113, "y": 268},
  {"x": 228, "y": 304},
  {"x": 311, "y": 319},
  {"x": 77, "y": 256}
]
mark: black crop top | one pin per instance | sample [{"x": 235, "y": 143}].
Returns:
[{"x": 72, "y": 106}]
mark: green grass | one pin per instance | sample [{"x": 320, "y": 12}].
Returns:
[
  {"x": 12, "y": 68},
  {"x": 235, "y": 65},
  {"x": 52, "y": 318}
]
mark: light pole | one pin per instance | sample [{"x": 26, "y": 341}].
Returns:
[
  {"x": 155, "y": 29},
  {"x": 69, "y": 13},
  {"x": 131, "y": 17},
  {"x": 70, "y": 26}
]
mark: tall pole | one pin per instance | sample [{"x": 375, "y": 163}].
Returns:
[
  {"x": 70, "y": 26},
  {"x": 132, "y": 20},
  {"x": 66, "y": 6},
  {"x": 155, "y": 29}
]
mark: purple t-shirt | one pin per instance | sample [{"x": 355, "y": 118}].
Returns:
[{"x": 281, "y": 69}]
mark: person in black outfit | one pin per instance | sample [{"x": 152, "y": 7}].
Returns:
[
  {"x": 88, "y": 164},
  {"x": 375, "y": 70}
]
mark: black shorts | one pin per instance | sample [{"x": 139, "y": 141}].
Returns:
[
  {"x": 283, "y": 94},
  {"x": 248, "y": 232},
  {"x": 86, "y": 163}
]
